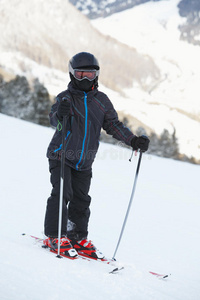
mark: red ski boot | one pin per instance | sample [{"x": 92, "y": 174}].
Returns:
[
  {"x": 87, "y": 249},
  {"x": 65, "y": 246}
]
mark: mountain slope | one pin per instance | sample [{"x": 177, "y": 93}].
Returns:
[
  {"x": 50, "y": 32},
  {"x": 190, "y": 30},
  {"x": 162, "y": 232},
  {"x": 175, "y": 99},
  {"x": 96, "y": 8}
]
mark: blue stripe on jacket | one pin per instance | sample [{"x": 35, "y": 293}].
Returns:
[{"x": 86, "y": 118}]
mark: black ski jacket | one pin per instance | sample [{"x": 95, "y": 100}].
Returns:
[{"x": 89, "y": 113}]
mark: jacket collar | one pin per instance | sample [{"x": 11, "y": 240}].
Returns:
[{"x": 80, "y": 93}]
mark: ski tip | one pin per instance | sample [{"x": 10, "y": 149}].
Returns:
[
  {"x": 160, "y": 276},
  {"x": 116, "y": 270},
  {"x": 113, "y": 271}
]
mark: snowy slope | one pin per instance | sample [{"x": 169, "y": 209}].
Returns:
[
  {"x": 159, "y": 117},
  {"x": 162, "y": 232},
  {"x": 152, "y": 28}
]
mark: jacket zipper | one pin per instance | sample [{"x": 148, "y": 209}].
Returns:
[{"x": 84, "y": 139}]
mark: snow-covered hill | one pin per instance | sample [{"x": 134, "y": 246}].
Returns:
[
  {"x": 175, "y": 100},
  {"x": 162, "y": 71},
  {"x": 190, "y": 29},
  {"x": 162, "y": 232},
  {"x": 95, "y": 8},
  {"x": 39, "y": 38},
  {"x": 158, "y": 37}
]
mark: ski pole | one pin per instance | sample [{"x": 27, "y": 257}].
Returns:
[
  {"x": 62, "y": 171},
  {"x": 129, "y": 206}
]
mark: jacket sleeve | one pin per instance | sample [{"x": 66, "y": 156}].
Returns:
[
  {"x": 53, "y": 114},
  {"x": 114, "y": 127}
]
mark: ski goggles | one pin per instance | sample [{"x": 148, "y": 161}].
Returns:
[{"x": 84, "y": 74}]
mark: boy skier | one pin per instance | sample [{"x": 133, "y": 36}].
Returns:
[{"x": 87, "y": 111}]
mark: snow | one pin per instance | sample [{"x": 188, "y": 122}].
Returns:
[
  {"x": 152, "y": 29},
  {"x": 161, "y": 235},
  {"x": 53, "y": 79},
  {"x": 159, "y": 117}
]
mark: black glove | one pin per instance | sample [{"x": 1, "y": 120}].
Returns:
[
  {"x": 63, "y": 109},
  {"x": 141, "y": 142}
]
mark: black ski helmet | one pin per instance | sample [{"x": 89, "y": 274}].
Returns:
[
  {"x": 84, "y": 60},
  {"x": 81, "y": 61}
]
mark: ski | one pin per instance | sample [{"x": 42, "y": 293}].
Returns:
[
  {"x": 104, "y": 260},
  {"x": 160, "y": 276},
  {"x": 116, "y": 270},
  {"x": 111, "y": 262},
  {"x": 60, "y": 255}
]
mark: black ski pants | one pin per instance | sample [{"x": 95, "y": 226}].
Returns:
[{"x": 76, "y": 202}]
